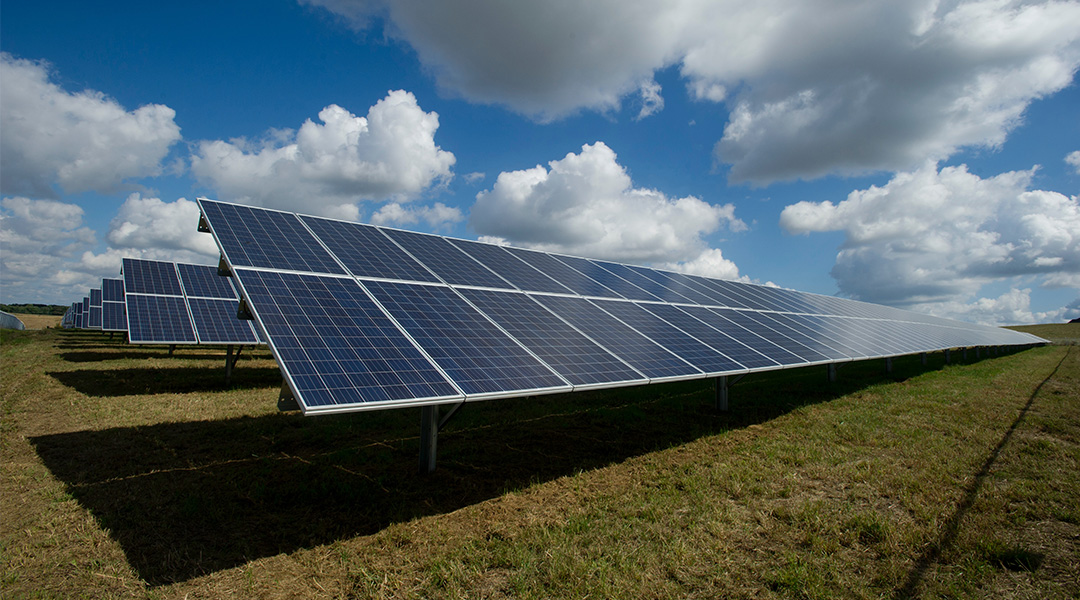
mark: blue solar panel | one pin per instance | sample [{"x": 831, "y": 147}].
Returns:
[
  {"x": 640, "y": 352},
  {"x": 803, "y": 335},
  {"x": 476, "y": 355},
  {"x": 151, "y": 277},
  {"x": 650, "y": 285},
  {"x": 366, "y": 251},
  {"x": 216, "y": 322},
  {"x": 335, "y": 346},
  {"x": 667, "y": 335},
  {"x": 112, "y": 290},
  {"x": 681, "y": 284},
  {"x": 565, "y": 349},
  {"x": 749, "y": 320},
  {"x": 95, "y": 317},
  {"x": 158, "y": 320},
  {"x": 511, "y": 268},
  {"x": 113, "y": 316},
  {"x": 95, "y": 297},
  {"x": 747, "y": 332},
  {"x": 203, "y": 281},
  {"x": 563, "y": 273},
  {"x": 726, "y": 343},
  {"x": 253, "y": 237},
  {"x": 606, "y": 278},
  {"x": 446, "y": 260}
]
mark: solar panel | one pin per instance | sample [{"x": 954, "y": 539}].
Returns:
[
  {"x": 480, "y": 358},
  {"x": 337, "y": 349},
  {"x": 150, "y": 277},
  {"x": 682, "y": 344},
  {"x": 511, "y": 268},
  {"x": 95, "y": 297},
  {"x": 366, "y": 251},
  {"x": 112, "y": 290},
  {"x": 645, "y": 355},
  {"x": 253, "y": 237},
  {"x": 203, "y": 281},
  {"x": 446, "y": 260},
  {"x": 113, "y": 316},
  {"x": 158, "y": 320},
  {"x": 577, "y": 358},
  {"x": 363, "y": 317}
]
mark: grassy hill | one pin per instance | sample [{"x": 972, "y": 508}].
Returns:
[{"x": 128, "y": 473}]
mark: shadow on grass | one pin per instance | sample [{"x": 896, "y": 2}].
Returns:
[
  {"x": 100, "y": 383},
  {"x": 187, "y": 499}
]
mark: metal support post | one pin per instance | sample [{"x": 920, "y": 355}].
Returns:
[
  {"x": 888, "y": 364},
  {"x": 429, "y": 436},
  {"x": 948, "y": 356},
  {"x": 228, "y": 364},
  {"x": 923, "y": 358},
  {"x": 722, "y": 393},
  {"x": 978, "y": 353},
  {"x": 172, "y": 348},
  {"x": 832, "y": 372}
]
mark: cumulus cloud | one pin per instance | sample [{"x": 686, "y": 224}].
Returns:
[
  {"x": 437, "y": 216},
  {"x": 80, "y": 141},
  {"x": 1073, "y": 159},
  {"x": 651, "y": 100},
  {"x": 145, "y": 223},
  {"x": 327, "y": 167},
  {"x": 937, "y": 236},
  {"x": 710, "y": 263},
  {"x": 585, "y": 204},
  {"x": 37, "y": 237},
  {"x": 813, "y": 87},
  {"x": 1011, "y": 308}
]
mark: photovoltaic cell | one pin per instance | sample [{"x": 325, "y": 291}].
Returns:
[
  {"x": 95, "y": 317},
  {"x": 476, "y": 355},
  {"x": 253, "y": 237},
  {"x": 727, "y": 344},
  {"x": 336, "y": 346},
  {"x": 563, "y": 273},
  {"x": 645, "y": 355},
  {"x": 446, "y": 260},
  {"x": 158, "y": 320},
  {"x": 511, "y": 268},
  {"x": 566, "y": 350},
  {"x": 112, "y": 290},
  {"x": 95, "y": 297},
  {"x": 203, "y": 281},
  {"x": 606, "y": 278},
  {"x": 747, "y": 333},
  {"x": 113, "y": 316},
  {"x": 151, "y": 277},
  {"x": 216, "y": 322},
  {"x": 747, "y": 320},
  {"x": 807, "y": 337},
  {"x": 366, "y": 251}
]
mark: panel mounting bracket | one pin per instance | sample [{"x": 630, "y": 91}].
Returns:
[
  {"x": 223, "y": 267},
  {"x": 286, "y": 400}
]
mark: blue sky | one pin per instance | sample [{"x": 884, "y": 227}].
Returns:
[{"x": 919, "y": 154}]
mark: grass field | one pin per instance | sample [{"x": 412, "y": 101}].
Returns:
[{"x": 129, "y": 473}]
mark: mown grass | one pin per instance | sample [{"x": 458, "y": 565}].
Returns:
[{"x": 129, "y": 473}]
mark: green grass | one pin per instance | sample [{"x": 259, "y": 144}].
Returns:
[{"x": 128, "y": 473}]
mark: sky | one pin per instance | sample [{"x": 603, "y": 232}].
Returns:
[{"x": 923, "y": 154}]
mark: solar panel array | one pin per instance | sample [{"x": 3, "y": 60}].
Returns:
[
  {"x": 113, "y": 305},
  {"x": 177, "y": 303},
  {"x": 362, "y": 317}
]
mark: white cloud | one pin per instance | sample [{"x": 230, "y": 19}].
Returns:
[
  {"x": 436, "y": 216},
  {"x": 327, "y": 168},
  {"x": 1011, "y": 308},
  {"x": 1073, "y": 159},
  {"x": 710, "y": 263},
  {"x": 80, "y": 141},
  {"x": 651, "y": 100},
  {"x": 814, "y": 87},
  {"x": 585, "y": 205},
  {"x": 931, "y": 236},
  {"x": 37, "y": 237},
  {"x": 151, "y": 223}
]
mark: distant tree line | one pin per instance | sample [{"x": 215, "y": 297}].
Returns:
[{"x": 35, "y": 309}]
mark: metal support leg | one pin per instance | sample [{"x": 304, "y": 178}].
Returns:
[
  {"x": 963, "y": 354},
  {"x": 923, "y": 358},
  {"x": 722, "y": 393},
  {"x": 948, "y": 357},
  {"x": 228, "y": 364},
  {"x": 888, "y": 364},
  {"x": 978, "y": 353},
  {"x": 172, "y": 347},
  {"x": 429, "y": 436},
  {"x": 832, "y": 373}
]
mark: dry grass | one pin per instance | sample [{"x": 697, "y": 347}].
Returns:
[
  {"x": 131, "y": 474},
  {"x": 39, "y": 321}
]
